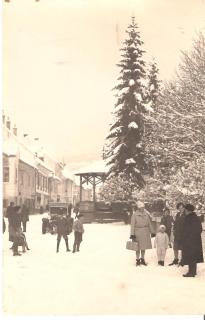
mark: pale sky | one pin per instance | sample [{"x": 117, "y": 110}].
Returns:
[{"x": 59, "y": 60}]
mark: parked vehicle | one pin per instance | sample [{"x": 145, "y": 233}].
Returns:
[{"x": 49, "y": 220}]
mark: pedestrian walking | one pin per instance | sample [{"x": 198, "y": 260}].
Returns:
[
  {"x": 62, "y": 231},
  {"x": 141, "y": 231},
  {"x": 24, "y": 216},
  {"x": 78, "y": 232},
  {"x": 167, "y": 220},
  {"x": 177, "y": 232},
  {"x": 192, "y": 252},
  {"x": 161, "y": 243}
]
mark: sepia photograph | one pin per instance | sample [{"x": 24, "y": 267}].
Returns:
[{"x": 103, "y": 158}]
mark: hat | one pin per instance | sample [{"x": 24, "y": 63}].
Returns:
[
  {"x": 189, "y": 207},
  {"x": 162, "y": 227},
  {"x": 140, "y": 204}
]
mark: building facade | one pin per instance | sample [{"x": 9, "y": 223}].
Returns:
[{"x": 29, "y": 176}]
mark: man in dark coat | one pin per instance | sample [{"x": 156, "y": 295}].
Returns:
[
  {"x": 177, "y": 230},
  {"x": 62, "y": 231},
  {"x": 9, "y": 212},
  {"x": 15, "y": 224},
  {"x": 24, "y": 216},
  {"x": 192, "y": 252}
]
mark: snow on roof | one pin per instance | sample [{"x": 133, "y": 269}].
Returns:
[
  {"x": 97, "y": 166},
  {"x": 67, "y": 174},
  {"x": 10, "y": 148}
]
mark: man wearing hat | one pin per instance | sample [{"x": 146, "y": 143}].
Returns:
[{"x": 191, "y": 241}]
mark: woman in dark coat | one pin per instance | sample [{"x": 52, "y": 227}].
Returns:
[
  {"x": 191, "y": 241},
  {"x": 177, "y": 231}
]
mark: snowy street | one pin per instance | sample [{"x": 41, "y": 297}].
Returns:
[{"x": 101, "y": 279}]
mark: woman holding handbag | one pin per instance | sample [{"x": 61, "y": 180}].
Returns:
[{"x": 141, "y": 231}]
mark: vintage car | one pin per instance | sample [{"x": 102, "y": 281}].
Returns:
[{"x": 49, "y": 219}]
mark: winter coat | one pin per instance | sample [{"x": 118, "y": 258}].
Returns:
[
  {"x": 178, "y": 226},
  {"x": 167, "y": 221},
  {"x": 161, "y": 240},
  {"x": 62, "y": 226},
  {"x": 78, "y": 226},
  {"x": 141, "y": 228},
  {"x": 14, "y": 225},
  {"x": 24, "y": 214},
  {"x": 191, "y": 240}
]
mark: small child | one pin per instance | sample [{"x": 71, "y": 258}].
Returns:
[
  {"x": 161, "y": 243},
  {"x": 78, "y": 233}
]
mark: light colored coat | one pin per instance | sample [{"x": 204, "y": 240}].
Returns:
[
  {"x": 141, "y": 228},
  {"x": 161, "y": 241}
]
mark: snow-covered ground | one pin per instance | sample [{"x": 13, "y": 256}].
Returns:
[{"x": 101, "y": 279}]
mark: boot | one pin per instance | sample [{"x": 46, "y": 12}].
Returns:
[
  {"x": 159, "y": 263},
  {"x": 67, "y": 247},
  {"x": 78, "y": 247},
  {"x": 162, "y": 263},
  {"x": 180, "y": 264},
  {"x": 188, "y": 275},
  {"x": 143, "y": 262},
  {"x": 58, "y": 244},
  {"x": 16, "y": 254},
  {"x": 174, "y": 262},
  {"x": 137, "y": 262},
  {"x": 74, "y": 246}
]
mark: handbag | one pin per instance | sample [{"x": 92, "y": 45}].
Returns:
[{"x": 132, "y": 245}]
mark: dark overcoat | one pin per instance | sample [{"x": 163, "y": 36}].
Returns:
[
  {"x": 191, "y": 240},
  {"x": 62, "y": 226}
]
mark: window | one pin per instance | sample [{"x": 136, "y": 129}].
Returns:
[{"x": 6, "y": 174}]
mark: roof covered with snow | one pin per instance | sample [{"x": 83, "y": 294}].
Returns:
[{"x": 95, "y": 167}]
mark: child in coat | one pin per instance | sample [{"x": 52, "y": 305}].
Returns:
[
  {"x": 78, "y": 233},
  {"x": 161, "y": 243}
]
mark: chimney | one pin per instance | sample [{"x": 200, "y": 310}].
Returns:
[
  {"x": 8, "y": 123},
  {"x": 15, "y": 130}
]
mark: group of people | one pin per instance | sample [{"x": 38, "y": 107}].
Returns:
[
  {"x": 17, "y": 221},
  {"x": 64, "y": 228},
  {"x": 187, "y": 229}
]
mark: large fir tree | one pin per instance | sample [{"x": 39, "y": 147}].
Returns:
[{"x": 126, "y": 152}]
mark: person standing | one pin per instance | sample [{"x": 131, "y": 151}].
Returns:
[
  {"x": 24, "y": 216},
  {"x": 177, "y": 231},
  {"x": 161, "y": 243},
  {"x": 62, "y": 231},
  {"x": 167, "y": 220},
  {"x": 15, "y": 225},
  {"x": 192, "y": 252},
  {"x": 9, "y": 213},
  {"x": 78, "y": 232},
  {"x": 141, "y": 231}
]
